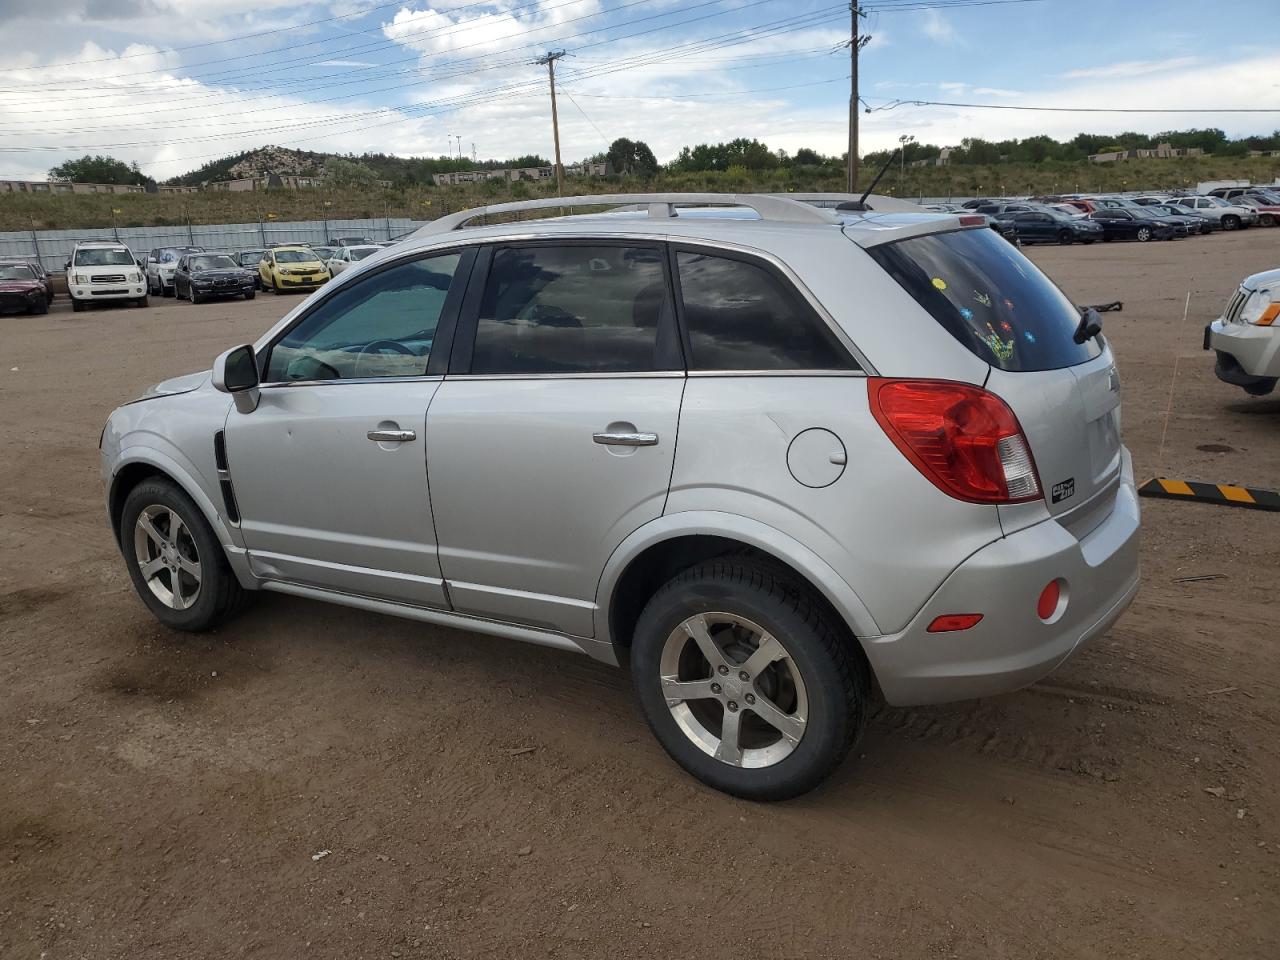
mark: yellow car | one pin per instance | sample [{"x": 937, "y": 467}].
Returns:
[{"x": 291, "y": 268}]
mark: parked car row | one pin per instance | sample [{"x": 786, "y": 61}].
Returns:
[{"x": 1083, "y": 219}]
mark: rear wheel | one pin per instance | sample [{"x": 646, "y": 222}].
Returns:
[
  {"x": 1066, "y": 237},
  {"x": 1230, "y": 222},
  {"x": 1267, "y": 220},
  {"x": 746, "y": 681},
  {"x": 1144, "y": 234},
  {"x": 175, "y": 561}
]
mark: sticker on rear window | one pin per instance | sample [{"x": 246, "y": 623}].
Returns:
[{"x": 1064, "y": 490}]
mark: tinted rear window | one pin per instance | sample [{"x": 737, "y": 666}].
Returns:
[{"x": 990, "y": 297}]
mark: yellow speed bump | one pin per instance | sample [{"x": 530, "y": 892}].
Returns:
[{"x": 1222, "y": 493}]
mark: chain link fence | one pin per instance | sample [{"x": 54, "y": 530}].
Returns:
[{"x": 53, "y": 247}]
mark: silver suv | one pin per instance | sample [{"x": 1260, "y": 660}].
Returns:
[{"x": 767, "y": 453}]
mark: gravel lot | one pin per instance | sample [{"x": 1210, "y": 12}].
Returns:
[{"x": 164, "y": 795}]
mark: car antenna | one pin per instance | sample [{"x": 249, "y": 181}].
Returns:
[{"x": 861, "y": 202}]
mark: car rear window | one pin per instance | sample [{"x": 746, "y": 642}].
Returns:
[{"x": 990, "y": 297}]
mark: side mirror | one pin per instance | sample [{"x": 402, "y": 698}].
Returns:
[{"x": 236, "y": 372}]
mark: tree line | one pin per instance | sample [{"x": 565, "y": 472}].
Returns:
[{"x": 627, "y": 157}]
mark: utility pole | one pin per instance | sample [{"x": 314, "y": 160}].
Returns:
[
  {"x": 856, "y": 43},
  {"x": 550, "y": 61}
]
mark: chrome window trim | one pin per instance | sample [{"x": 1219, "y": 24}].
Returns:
[
  {"x": 855, "y": 374},
  {"x": 355, "y": 380},
  {"x": 603, "y": 375}
]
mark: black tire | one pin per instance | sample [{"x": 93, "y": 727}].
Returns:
[
  {"x": 834, "y": 674},
  {"x": 1106, "y": 239},
  {"x": 220, "y": 594},
  {"x": 1231, "y": 222},
  {"x": 1143, "y": 234},
  {"x": 40, "y": 308},
  {"x": 143, "y": 301},
  {"x": 249, "y": 294},
  {"x": 1066, "y": 237},
  {"x": 77, "y": 305},
  {"x": 193, "y": 296},
  {"x": 1266, "y": 220}
]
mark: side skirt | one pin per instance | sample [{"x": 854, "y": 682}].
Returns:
[{"x": 596, "y": 649}]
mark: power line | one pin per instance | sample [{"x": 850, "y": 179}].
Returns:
[
  {"x": 734, "y": 38},
  {"x": 1010, "y": 106}
]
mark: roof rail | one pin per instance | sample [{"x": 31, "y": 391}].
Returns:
[
  {"x": 660, "y": 206},
  {"x": 876, "y": 202}
]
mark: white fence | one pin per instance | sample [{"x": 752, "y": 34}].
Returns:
[{"x": 53, "y": 247}]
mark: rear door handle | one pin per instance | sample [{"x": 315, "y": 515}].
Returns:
[
  {"x": 624, "y": 439},
  {"x": 392, "y": 436}
]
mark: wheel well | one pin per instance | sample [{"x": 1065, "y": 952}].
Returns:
[
  {"x": 129, "y": 477},
  {"x": 662, "y": 561}
]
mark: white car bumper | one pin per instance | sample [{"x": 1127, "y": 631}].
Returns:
[
  {"x": 1248, "y": 354},
  {"x": 108, "y": 291}
]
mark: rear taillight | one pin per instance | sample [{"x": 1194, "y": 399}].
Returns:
[{"x": 965, "y": 440}]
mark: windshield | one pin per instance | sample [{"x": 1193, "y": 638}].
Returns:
[
  {"x": 295, "y": 256},
  {"x": 173, "y": 254},
  {"x": 213, "y": 261},
  {"x": 248, "y": 257},
  {"x": 990, "y": 297},
  {"x": 104, "y": 257},
  {"x": 359, "y": 253},
  {"x": 16, "y": 271}
]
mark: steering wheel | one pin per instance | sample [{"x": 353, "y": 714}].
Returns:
[{"x": 379, "y": 347}]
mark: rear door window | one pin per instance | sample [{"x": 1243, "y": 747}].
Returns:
[
  {"x": 741, "y": 316},
  {"x": 575, "y": 308},
  {"x": 991, "y": 298}
]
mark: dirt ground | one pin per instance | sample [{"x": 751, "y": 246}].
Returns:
[{"x": 165, "y": 796}]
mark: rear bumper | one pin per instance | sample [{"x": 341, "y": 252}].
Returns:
[{"x": 1011, "y": 646}]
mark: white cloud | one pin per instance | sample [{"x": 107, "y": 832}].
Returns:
[
  {"x": 935, "y": 26},
  {"x": 1132, "y": 68}
]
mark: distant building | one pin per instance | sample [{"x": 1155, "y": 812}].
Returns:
[
  {"x": 1162, "y": 151},
  {"x": 518, "y": 173},
  {"x": 62, "y": 186},
  {"x": 943, "y": 159},
  {"x": 274, "y": 181},
  {"x": 1264, "y": 153}
]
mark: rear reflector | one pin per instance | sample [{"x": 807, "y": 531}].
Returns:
[
  {"x": 951, "y": 622},
  {"x": 1047, "y": 605},
  {"x": 965, "y": 440}
]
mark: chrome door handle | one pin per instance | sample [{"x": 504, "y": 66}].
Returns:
[
  {"x": 626, "y": 439},
  {"x": 392, "y": 436}
]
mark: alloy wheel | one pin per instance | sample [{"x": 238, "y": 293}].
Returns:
[
  {"x": 734, "y": 690},
  {"x": 167, "y": 557}
]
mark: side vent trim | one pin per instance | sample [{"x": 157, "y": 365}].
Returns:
[{"x": 224, "y": 477}]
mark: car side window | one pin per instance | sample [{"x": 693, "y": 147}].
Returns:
[
  {"x": 741, "y": 316},
  {"x": 575, "y": 308},
  {"x": 380, "y": 326}
]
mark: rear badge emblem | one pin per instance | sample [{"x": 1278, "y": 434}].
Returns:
[{"x": 1064, "y": 490}]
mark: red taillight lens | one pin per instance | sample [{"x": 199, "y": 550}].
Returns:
[{"x": 965, "y": 440}]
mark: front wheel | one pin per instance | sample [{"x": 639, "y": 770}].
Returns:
[
  {"x": 1144, "y": 234},
  {"x": 77, "y": 305},
  {"x": 1066, "y": 237},
  {"x": 143, "y": 301},
  {"x": 747, "y": 681},
  {"x": 1231, "y": 222},
  {"x": 175, "y": 562},
  {"x": 1267, "y": 220},
  {"x": 249, "y": 294}
]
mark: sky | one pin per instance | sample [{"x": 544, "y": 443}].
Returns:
[{"x": 172, "y": 84}]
